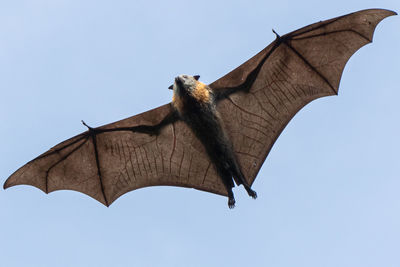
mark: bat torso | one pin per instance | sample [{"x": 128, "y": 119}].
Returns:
[{"x": 197, "y": 108}]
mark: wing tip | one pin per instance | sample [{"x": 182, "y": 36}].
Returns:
[
  {"x": 5, "y": 185},
  {"x": 389, "y": 12},
  {"x": 8, "y": 183},
  {"x": 379, "y": 14},
  {"x": 384, "y": 11}
]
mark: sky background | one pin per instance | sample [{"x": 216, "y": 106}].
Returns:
[{"x": 328, "y": 193}]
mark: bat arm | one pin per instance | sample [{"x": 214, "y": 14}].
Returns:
[
  {"x": 171, "y": 117},
  {"x": 223, "y": 92}
]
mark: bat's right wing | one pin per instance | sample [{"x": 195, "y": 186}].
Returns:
[
  {"x": 107, "y": 165},
  {"x": 262, "y": 95}
]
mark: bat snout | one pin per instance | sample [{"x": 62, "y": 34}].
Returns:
[{"x": 179, "y": 80}]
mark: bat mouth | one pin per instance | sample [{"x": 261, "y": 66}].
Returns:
[{"x": 178, "y": 81}]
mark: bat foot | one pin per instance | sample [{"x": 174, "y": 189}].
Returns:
[
  {"x": 252, "y": 193},
  {"x": 231, "y": 203}
]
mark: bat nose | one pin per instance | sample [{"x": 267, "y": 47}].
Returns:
[{"x": 179, "y": 80}]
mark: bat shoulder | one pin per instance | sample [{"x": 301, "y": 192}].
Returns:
[
  {"x": 202, "y": 93},
  {"x": 199, "y": 96}
]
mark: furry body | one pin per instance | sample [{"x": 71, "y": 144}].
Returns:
[{"x": 196, "y": 106}]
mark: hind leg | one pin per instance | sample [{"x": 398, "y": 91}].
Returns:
[
  {"x": 237, "y": 173},
  {"x": 229, "y": 185},
  {"x": 228, "y": 182},
  {"x": 231, "y": 199},
  {"x": 250, "y": 191}
]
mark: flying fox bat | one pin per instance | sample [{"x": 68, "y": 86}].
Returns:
[{"x": 209, "y": 136}]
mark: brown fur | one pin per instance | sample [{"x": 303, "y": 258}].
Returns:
[
  {"x": 178, "y": 103},
  {"x": 201, "y": 93},
  {"x": 196, "y": 106}
]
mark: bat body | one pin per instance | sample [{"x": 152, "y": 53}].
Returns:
[
  {"x": 210, "y": 135},
  {"x": 196, "y": 106}
]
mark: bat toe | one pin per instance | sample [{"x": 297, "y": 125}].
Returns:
[{"x": 252, "y": 193}]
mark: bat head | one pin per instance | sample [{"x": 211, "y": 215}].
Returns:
[
  {"x": 185, "y": 82},
  {"x": 189, "y": 86}
]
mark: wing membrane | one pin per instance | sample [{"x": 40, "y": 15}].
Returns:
[{"x": 296, "y": 69}]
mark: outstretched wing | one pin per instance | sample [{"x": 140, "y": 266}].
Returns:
[
  {"x": 262, "y": 95},
  {"x": 109, "y": 164}
]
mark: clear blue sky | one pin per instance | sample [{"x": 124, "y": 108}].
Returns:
[{"x": 328, "y": 192}]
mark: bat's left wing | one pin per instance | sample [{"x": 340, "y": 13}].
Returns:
[
  {"x": 260, "y": 97},
  {"x": 114, "y": 161}
]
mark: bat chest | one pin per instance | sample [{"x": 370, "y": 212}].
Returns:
[
  {"x": 193, "y": 105},
  {"x": 198, "y": 111},
  {"x": 205, "y": 123}
]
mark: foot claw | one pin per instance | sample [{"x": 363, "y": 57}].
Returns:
[
  {"x": 231, "y": 203},
  {"x": 253, "y": 194}
]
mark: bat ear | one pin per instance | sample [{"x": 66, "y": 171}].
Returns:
[
  {"x": 196, "y": 77},
  {"x": 170, "y": 87}
]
